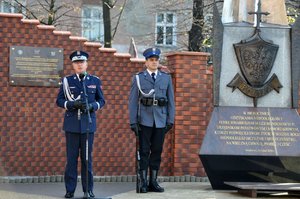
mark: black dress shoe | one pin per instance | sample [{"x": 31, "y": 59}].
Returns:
[
  {"x": 91, "y": 194},
  {"x": 69, "y": 195}
]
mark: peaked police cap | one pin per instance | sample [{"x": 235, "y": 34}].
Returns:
[
  {"x": 79, "y": 56},
  {"x": 151, "y": 52}
]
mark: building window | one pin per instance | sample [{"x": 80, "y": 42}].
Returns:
[
  {"x": 92, "y": 23},
  {"x": 165, "y": 29},
  {"x": 10, "y": 6}
]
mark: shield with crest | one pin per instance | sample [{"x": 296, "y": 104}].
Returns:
[{"x": 256, "y": 58}]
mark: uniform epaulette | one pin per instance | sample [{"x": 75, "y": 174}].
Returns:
[
  {"x": 69, "y": 76},
  {"x": 164, "y": 72},
  {"x": 139, "y": 72},
  {"x": 94, "y": 76}
]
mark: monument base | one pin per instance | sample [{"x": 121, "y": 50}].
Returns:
[
  {"x": 225, "y": 168},
  {"x": 245, "y": 144},
  {"x": 252, "y": 189}
]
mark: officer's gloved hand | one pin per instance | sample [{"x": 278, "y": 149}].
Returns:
[
  {"x": 168, "y": 127},
  {"x": 135, "y": 128},
  {"x": 88, "y": 107},
  {"x": 77, "y": 104}
]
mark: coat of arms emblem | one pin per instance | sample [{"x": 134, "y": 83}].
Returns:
[{"x": 256, "y": 58}]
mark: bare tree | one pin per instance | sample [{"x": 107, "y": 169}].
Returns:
[
  {"x": 196, "y": 21},
  {"x": 195, "y": 34},
  {"x": 48, "y": 12},
  {"x": 107, "y": 5},
  {"x": 66, "y": 13},
  {"x": 109, "y": 33}
]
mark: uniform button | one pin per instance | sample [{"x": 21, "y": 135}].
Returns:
[{"x": 81, "y": 92}]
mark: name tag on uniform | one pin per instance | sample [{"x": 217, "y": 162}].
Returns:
[{"x": 91, "y": 86}]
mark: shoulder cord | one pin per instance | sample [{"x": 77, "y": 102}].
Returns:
[
  {"x": 67, "y": 91},
  {"x": 139, "y": 86},
  {"x": 143, "y": 94}
]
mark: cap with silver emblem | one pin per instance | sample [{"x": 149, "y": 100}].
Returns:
[
  {"x": 79, "y": 56},
  {"x": 151, "y": 52}
]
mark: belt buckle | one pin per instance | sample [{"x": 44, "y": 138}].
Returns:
[{"x": 155, "y": 102}]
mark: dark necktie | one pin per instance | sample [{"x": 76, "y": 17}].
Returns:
[{"x": 153, "y": 76}]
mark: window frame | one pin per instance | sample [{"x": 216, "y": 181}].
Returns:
[
  {"x": 164, "y": 24},
  {"x": 92, "y": 20},
  {"x": 12, "y": 8}
]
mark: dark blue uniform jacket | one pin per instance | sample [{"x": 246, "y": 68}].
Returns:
[{"x": 74, "y": 121}]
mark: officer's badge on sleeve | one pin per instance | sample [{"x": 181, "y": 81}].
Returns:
[{"x": 91, "y": 86}]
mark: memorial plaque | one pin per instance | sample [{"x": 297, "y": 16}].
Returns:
[
  {"x": 35, "y": 66},
  {"x": 244, "y": 144}
]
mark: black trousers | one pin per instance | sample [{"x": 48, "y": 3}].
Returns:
[
  {"x": 76, "y": 143},
  {"x": 151, "y": 147}
]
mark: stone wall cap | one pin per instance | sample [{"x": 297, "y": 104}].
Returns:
[
  {"x": 60, "y": 32},
  {"x": 78, "y": 38},
  {"x": 109, "y": 50},
  {"x": 188, "y": 53},
  {"x": 139, "y": 60},
  {"x": 45, "y": 27},
  {"x": 123, "y": 55},
  {"x": 2, "y": 14},
  {"x": 30, "y": 21},
  {"x": 93, "y": 44}
]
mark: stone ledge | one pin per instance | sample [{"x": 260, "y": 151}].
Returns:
[
  {"x": 129, "y": 178},
  {"x": 30, "y": 21},
  {"x": 92, "y": 44},
  {"x": 138, "y": 60},
  {"x": 108, "y": 50},
  {"x": 126, "y": 55},
  {"x": 76, "y": 38},
  {"x": 3, "y": 14},
  {"x": 60, "y": 32},
  {"x": 188, "y": 53},
  {"x": 45, "y": 27}
]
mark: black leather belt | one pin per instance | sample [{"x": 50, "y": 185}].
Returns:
[{"x": 147, "y": 101}]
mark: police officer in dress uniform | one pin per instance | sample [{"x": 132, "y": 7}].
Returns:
[
  {"x": 152, "y": 110},
  {"x": 76, "y": 124}
]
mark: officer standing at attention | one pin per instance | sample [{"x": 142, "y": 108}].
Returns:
[
  {"x": 152, "y": 112},
  {"x": 76, "y": 124}
]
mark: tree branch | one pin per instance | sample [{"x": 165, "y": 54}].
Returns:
[{"x": 119, "y": 19}]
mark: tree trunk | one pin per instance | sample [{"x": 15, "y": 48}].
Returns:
[
  {"x": 195, "y": 34},
  {"x": 107, "y": 23},
  {"x": 51, "y": 13}
]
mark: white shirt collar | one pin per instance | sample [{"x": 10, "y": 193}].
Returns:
[{"x": 150, "y": 72}]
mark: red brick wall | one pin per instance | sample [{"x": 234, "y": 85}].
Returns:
[
  {"x": 193, "y": 98},
  {"x": 31, "y": 137}
]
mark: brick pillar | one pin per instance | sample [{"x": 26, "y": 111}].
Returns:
[{"x": 193, "y": 99}]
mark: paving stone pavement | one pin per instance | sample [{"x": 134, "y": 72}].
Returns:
[{"x": 125, "y": 190}]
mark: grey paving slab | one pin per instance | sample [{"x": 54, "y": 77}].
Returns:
[{"x": 173, "y": 190}]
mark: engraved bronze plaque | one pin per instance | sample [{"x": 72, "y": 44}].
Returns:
[{"x": 35, "y": 66}]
